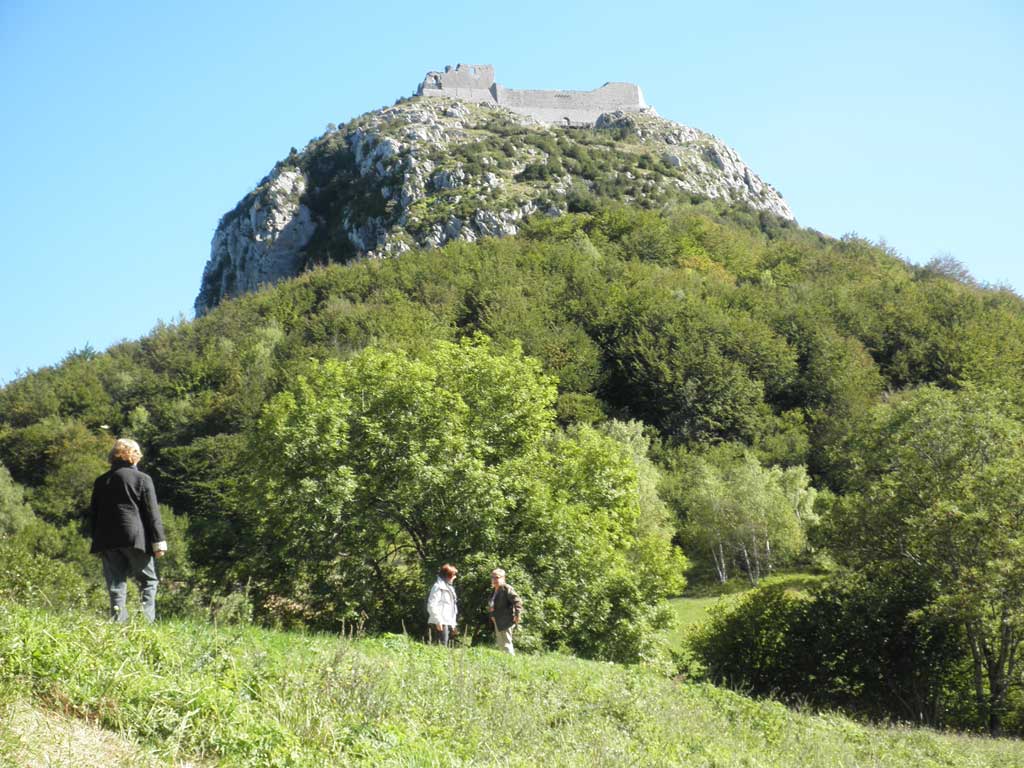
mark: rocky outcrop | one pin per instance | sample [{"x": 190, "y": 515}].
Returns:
[
  {"x": 260, "y": 242},
  {"x": 718, "y": 172},
  {"x": 428, "y": 171}
]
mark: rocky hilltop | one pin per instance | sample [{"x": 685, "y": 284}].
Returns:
[{"x": 430, "y": 170}]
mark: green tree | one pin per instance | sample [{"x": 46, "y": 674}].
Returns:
[
  {"x": 671, "y": 363},
  {"x": 941, "y": 493},
  {"x": 368, "y": 474},
  {"x": 202, "y": 480},
  {"x": 376, "y": 470},
  {"x": 738, "y": 510},
  {"x": 30, "y": 398},
  {"x": 15, "y": 513},
  {"x": 57, "y": 460}
]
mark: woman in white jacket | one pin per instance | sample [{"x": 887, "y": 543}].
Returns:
[{"x": 442, "y": 604}]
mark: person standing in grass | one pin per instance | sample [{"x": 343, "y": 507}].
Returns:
[
  {"x": 127, "y": 532},
  {"x": 443, "y": 605},
  {"x": 506, "y": 607}
]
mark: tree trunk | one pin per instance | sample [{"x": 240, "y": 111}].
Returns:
[
  {"x": 995, "y": 721},
  {"x": 1000, "y": 673},
  {"x": 719, "y": 560},
  {"x": 990, "y": 667},
  {"x": 750, "y": 569},
  {"x": 979, "y": 677},
  {"x": 756, "y": 553}
]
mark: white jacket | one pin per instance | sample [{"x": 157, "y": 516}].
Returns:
[{"x": 442, "y": 605}]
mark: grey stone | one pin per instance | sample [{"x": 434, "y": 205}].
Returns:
[
  {"x": 448, "y": 179},
  {"x": 262, "y": 243},
  {"x": 475, "y": 83}
]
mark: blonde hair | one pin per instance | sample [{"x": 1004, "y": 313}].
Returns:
[{"x": 125, "y": 450}]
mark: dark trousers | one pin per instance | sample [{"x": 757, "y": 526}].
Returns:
[
  {"x": 124, "y": 562},
  {"x": 443, "y": 637}
]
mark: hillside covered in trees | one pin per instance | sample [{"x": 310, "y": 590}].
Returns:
[{"x": 599, "y": 403}]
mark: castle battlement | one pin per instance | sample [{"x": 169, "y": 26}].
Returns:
[{"x": 475, "y": 82}]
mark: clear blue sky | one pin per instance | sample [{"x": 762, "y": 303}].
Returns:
[{"x": 128, "y": 130}]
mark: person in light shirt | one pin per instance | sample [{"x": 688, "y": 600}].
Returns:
[
  {"x": 127, "y": 532},
  {"x": 443, "y": 605}
]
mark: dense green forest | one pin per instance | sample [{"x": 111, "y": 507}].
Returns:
[{"x": 612, "y": 402}]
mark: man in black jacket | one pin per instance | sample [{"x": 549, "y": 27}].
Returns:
[
  {"x": 506, "y": 607},
  {"x": 127, "y": 531}
]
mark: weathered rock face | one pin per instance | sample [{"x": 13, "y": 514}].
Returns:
[
  {"x": 432, "y": 170},
  {"x": 260, "y": 242}
]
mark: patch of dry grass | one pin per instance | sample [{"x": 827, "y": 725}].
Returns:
[{"x": 36, "y": 738}]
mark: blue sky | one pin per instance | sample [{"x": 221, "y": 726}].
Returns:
[{"x": 127, "y": 131}]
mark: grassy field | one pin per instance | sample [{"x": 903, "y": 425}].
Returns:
[{"x": 192, "y": 695}]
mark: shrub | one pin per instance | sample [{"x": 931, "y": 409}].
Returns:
[
  {"x": 859, "y": 644},
  {"x": 37, "y": 579}
]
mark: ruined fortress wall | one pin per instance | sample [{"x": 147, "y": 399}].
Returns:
[
  {"x": 573, "y": 107},
  {"x": 470, "y": 82},
  {"x": 476, "y": 76},
  {"x": 475, "y": 82},
  {"x": 466, "y": 94}
]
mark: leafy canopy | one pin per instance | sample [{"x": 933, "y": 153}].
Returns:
[
  {"x": 941, "y": 496},
  {"x": 370, "y": 473}
]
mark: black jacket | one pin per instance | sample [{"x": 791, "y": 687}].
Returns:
[{"x": 124, "y": 511}]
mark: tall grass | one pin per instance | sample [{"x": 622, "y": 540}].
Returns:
[{"x": 251, "y": 697}]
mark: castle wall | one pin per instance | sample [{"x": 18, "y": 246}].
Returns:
[
  {"x": 476, "y": 76},
  {"x": 466, "y": 94},
  {"x": 572, "y": 107},
  {"x": 475, "y": 82},
  {"x": 469, "y": 82}
]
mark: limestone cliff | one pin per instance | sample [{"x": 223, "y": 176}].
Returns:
[{"x": 430, "y": 170}]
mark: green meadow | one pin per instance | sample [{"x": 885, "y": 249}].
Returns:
[{"x": 189, "y": 694}]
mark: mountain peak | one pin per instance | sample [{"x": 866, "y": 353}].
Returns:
[{"x": 460, "y": 163}]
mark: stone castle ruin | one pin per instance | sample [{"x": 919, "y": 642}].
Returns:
[{"x": 475, "y": 82}]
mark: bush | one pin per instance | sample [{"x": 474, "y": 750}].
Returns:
[
  {"x": 15, "y": 514},
  {"x": 862, "y": 645},
  {"x": 753, "y": 644},
  {"x": 36, "y": 579}
]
